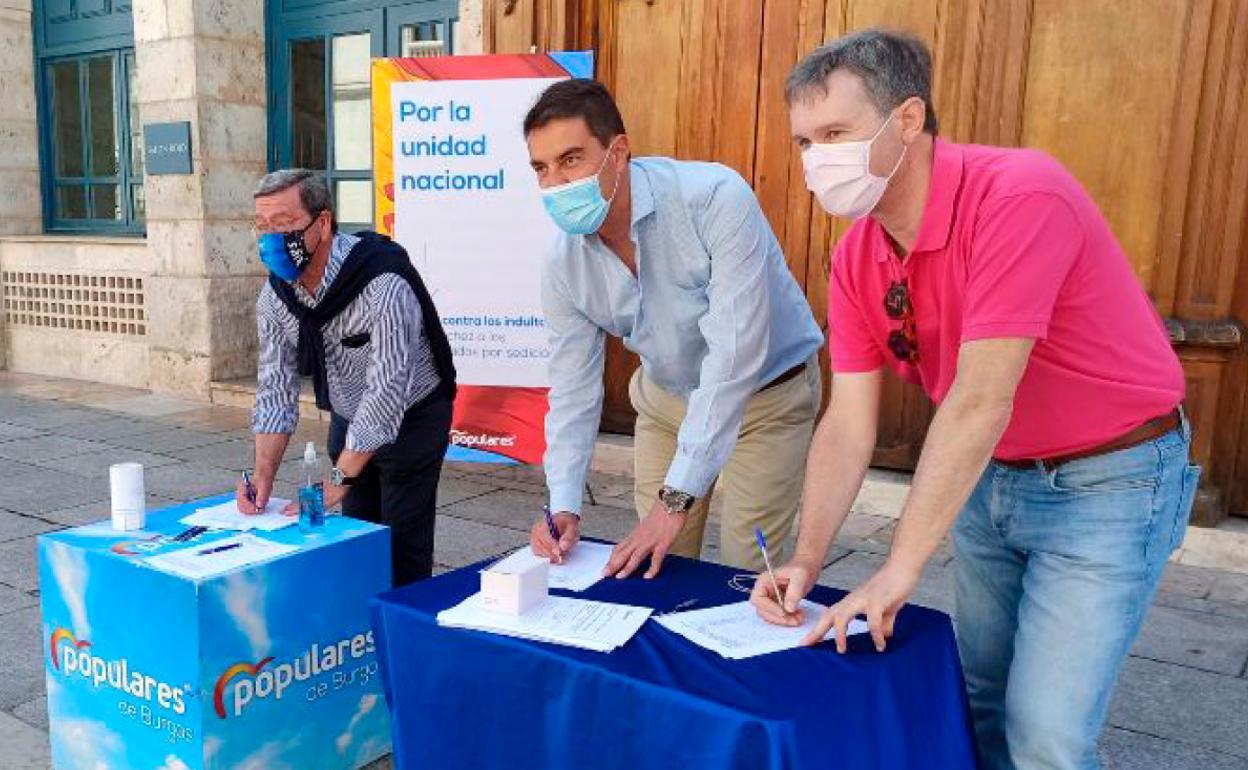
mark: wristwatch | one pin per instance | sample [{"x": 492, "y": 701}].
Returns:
[
  {"x": 339, "y": 479},
  {"x": 676, "y": 501}
]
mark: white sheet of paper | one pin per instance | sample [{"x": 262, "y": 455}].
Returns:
[
  {"x": 590, "y": 625},
  {"x": 581, "y": 569},
  {"x": 204, "y": 560},
  {"x": 735, "y": 631},
  {"x": 226, "y": 516}
]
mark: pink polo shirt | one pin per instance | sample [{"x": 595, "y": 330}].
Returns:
[{"x": 1012, "y": 246}]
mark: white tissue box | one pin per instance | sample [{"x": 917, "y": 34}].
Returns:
[{"x": 515, "y": 589}]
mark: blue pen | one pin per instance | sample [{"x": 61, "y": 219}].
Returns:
[
  {"x": 249, "y": 488},
  {"x": 762, "y": 546},
  {"x": 218, "y": 549},
  {"x": 554, "y": 531},
  {"x": 550, "y": 523}
]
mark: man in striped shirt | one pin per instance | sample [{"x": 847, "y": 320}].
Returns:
[{"x": 351, "y": 312}]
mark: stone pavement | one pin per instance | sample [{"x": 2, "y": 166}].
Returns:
[{"x": 1181, "y": 703}]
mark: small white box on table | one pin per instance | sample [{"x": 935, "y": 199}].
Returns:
[{"x": 515, "y": 587}]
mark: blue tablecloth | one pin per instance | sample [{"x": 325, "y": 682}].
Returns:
[{"x": 466, "y": 699}]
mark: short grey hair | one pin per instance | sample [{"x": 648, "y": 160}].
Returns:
[
  {"x": 894, "y": 66},
  {"x": 314, "y": 192}
]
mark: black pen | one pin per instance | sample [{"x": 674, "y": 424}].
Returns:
[
  {"x": 188, "y": 534},
  {"x": 218, "y": 549}
]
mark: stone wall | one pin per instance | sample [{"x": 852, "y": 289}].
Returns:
[
  {"x": 77, "y": 307},
  {"x": 20, "y": 205},
  {"x": 469, "y": 30},
  {"x": 203, "y": 62}
]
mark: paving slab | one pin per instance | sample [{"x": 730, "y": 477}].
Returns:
[
  {"x": 233, "y": 455},
  {"x": 44, "y": 416},
  {"x": 1194, "y": 639},
  {"x": 1181, "y": 602},
  {"x": 457, "y": 490},
  {"x": 502, "y": 508},
  {"x": 143, "y": 404},
  {"x": 43, "y": 490},
  {"x": 18, "y": 565},
  {"x": 14, "y": 599},
  {"x": 1183, "y": 704},
  {"x": 109, "y": 427},
  {"x": 34, "y": 712},
  {"x": 14, "y": 526},
  {"x": 90, "y": 513},
  {"x": 609, "y": 522},
  {"x": 459, "y": 542},
  {"x": 21, "y": 658},
  {"x": 216, "y": 419},
  {"x": 10, "y": 432},
  {"x": 1230, "y": 588},
  {"x": 47, "y": 448},
  {"x": 1124, "y": 750},
  {"x": 22, "y": 746},
  {"x": 1193, "y": 582},
  {"x": 95, "y": 465},
  {"x": 188, "y": 481},
  {"x": 168, "y": 441}
]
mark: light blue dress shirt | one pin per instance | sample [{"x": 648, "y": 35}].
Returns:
[{"x": 714, "y": 314}]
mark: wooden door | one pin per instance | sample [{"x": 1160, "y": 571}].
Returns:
[{"x": 1143, "y": 100}]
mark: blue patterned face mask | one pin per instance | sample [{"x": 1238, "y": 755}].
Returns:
[
  {"x": 578, "y": 207},
  {"x": 285, "y": 254}
]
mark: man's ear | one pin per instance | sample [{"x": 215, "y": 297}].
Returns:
[
  {"x": 912, "y": 117},
  {"x": 623, "y": 151}
]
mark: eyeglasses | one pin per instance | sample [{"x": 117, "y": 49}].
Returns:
[
  {"x": 903, "y": 342},
  {"x": 259, "y": 228}
]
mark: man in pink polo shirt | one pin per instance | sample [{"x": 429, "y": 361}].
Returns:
[{"x": 1059, "y": 451}]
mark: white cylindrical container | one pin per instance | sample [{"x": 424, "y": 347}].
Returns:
[{"x": 129, "y": 497}]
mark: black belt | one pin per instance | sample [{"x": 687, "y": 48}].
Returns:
[{"x": 785, "y": 377}]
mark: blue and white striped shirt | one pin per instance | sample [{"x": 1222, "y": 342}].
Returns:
[{"x": 386, "y": 366}]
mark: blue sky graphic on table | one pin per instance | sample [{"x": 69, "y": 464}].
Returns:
[{"x": 127, "y": 693}]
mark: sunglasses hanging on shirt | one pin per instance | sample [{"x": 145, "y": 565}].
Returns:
[{"x": 903, "y": 342}]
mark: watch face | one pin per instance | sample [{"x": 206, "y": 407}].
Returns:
[
  {"x": 675, "y": 500},
  {"x": 335, "y": 477}
]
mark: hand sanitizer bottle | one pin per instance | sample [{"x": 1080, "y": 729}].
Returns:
[{"x": 312, "y": 493}]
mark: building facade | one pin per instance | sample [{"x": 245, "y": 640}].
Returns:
[{"x": 115, "y": 272}]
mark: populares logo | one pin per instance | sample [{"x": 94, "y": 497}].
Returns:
[
  {"x": 248, "y": 682},
  {"x": 460, "y": 438},
  {"x": 75, "y": 658},
  {"x": 138, "y": 547}
]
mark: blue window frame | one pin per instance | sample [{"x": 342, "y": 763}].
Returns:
[
  {"x": 319, "y": 89},
  {"x": 90, "y": 138}
]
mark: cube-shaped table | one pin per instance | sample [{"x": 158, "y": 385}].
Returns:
[{"x": 268, "y": 665}]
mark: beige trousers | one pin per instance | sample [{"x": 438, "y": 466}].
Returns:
[{"x": 761, "y": 484}]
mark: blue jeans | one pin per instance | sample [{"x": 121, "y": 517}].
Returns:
[{"x": 1055, "y": 570}]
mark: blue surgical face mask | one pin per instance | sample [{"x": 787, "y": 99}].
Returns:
[
  {"x": 578, "y": 207},
  {"x": 285, "y": 254}
]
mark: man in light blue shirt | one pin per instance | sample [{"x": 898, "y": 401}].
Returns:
[{"x": 678, "y": 260}]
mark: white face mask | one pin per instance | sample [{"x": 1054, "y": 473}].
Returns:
[{"x": 839, "y": 175}]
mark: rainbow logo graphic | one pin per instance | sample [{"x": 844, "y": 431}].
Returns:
[
  {"x": 218, "y": 692},
  {"x": 63, "y": 635},
  {"x": 137, "y": 547}
]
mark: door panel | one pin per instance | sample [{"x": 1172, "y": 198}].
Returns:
[{"x": 1153, "y": 137}]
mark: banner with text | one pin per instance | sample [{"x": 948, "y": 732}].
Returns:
[{"x": 454, "y": 187}]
